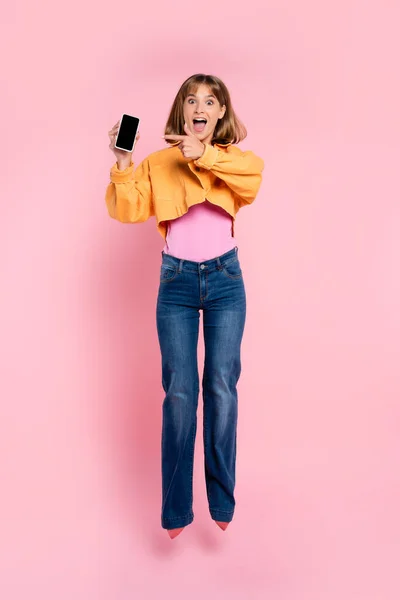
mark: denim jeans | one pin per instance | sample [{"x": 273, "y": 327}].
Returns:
[{"x": 216, "y": 287}]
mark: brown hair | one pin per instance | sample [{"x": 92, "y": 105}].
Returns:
[{"x": 229, "y": 129}]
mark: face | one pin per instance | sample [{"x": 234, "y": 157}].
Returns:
[{"x": 202, "y": 105}]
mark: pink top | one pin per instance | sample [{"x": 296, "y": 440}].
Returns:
[{"x": 204, "y": 232}]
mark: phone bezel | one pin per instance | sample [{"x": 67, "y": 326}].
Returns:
[{"x": 116, "y": 137}]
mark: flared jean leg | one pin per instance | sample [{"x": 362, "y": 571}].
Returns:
[
  {"x": 178, "y": 328},
  {"x": 223, "y": 331}
]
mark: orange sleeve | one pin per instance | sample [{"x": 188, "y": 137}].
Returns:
[
  {"x": 129, "y": 196},
  {"x": 240, "y": 170}
]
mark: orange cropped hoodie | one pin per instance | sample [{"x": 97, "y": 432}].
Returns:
[{"x": 166, "y": 184}]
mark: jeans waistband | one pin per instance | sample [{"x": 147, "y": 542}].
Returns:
[{"x": 189, "y": 265}]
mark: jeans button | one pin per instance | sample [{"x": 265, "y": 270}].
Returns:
[{"x": 201, "y": 266}]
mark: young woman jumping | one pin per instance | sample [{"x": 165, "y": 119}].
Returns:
[{"x": 194, "y": 188}]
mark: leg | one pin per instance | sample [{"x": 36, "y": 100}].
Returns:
[
  {"x": 224, "y": 321},
  {"x": 178, "y": 329}
]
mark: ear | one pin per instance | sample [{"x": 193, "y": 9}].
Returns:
[{"x": 222, "y": 112}]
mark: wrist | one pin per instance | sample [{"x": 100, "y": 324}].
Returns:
[
  {"x": 123, "y": 164},
  {"x": 208, "y": 158}
]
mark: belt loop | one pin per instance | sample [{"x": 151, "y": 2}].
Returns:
[
  {"x": 219, "y": 267},
  {"x": 180, "y": 265}
]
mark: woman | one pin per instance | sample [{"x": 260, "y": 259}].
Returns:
[{"x": 194, "y": 188}]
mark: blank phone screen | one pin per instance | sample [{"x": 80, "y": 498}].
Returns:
[{"x": 127, "y": 132}]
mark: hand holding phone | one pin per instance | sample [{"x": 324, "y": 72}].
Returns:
[{"x": 123, "y": 137}]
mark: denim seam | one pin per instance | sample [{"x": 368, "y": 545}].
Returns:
[
  {"x": 178, "y": 518},
  {"x": 174, "y": 473},
  {"x": 228, "y": 261},
  {"x": 205, "y": 422},
  {"x": 232, "y": 276},
  {"x": 192, "y": 461},
  {"x": 171, "y": 278},
  {"x": 202, "y": 298},
  {"x": 196, "y": 392}
]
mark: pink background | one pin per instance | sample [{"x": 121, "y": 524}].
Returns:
[{"x": 318, "y": 469}]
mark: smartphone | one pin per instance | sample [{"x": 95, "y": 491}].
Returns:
[{"x": 127, "y": 132}]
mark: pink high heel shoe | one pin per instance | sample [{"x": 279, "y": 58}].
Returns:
[
  {"x": 175, "y": 532},
  {"x": 222, "y": 524}
]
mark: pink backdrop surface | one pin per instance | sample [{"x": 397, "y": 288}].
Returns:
[{"x": 318, "y": 465}]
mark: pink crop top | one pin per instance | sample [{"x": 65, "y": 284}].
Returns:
[{"x": 204, "y": 232}]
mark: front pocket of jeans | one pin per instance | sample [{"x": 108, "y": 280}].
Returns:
[
  {"x": 233, "y": 270},
  {"x": 167, "y": 273}
]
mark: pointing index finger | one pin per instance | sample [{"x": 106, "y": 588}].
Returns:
[
  {"x": 190, "y": 134},
  {"x": 175, "y": 137}
]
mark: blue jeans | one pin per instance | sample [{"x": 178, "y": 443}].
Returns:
[{"x": 215, "y": 286}]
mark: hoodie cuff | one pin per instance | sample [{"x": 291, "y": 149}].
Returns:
[
  {"x": 208, "y": 158},
  {"x": 118, "y": 176}
]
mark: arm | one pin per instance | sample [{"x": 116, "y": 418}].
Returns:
[
  {"x": 129, "y": 195},
  {"x": 240, "y": 170}
]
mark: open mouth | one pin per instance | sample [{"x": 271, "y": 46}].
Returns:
[{"x": 199, "y": 125}]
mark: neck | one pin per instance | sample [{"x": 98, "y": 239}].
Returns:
[{"x": 208, "y": 139}]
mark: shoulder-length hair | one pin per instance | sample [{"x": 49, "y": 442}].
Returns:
[{"x": 229, "y": 129}]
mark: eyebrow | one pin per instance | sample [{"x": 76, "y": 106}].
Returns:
[{"x": 209, "y": 96}]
